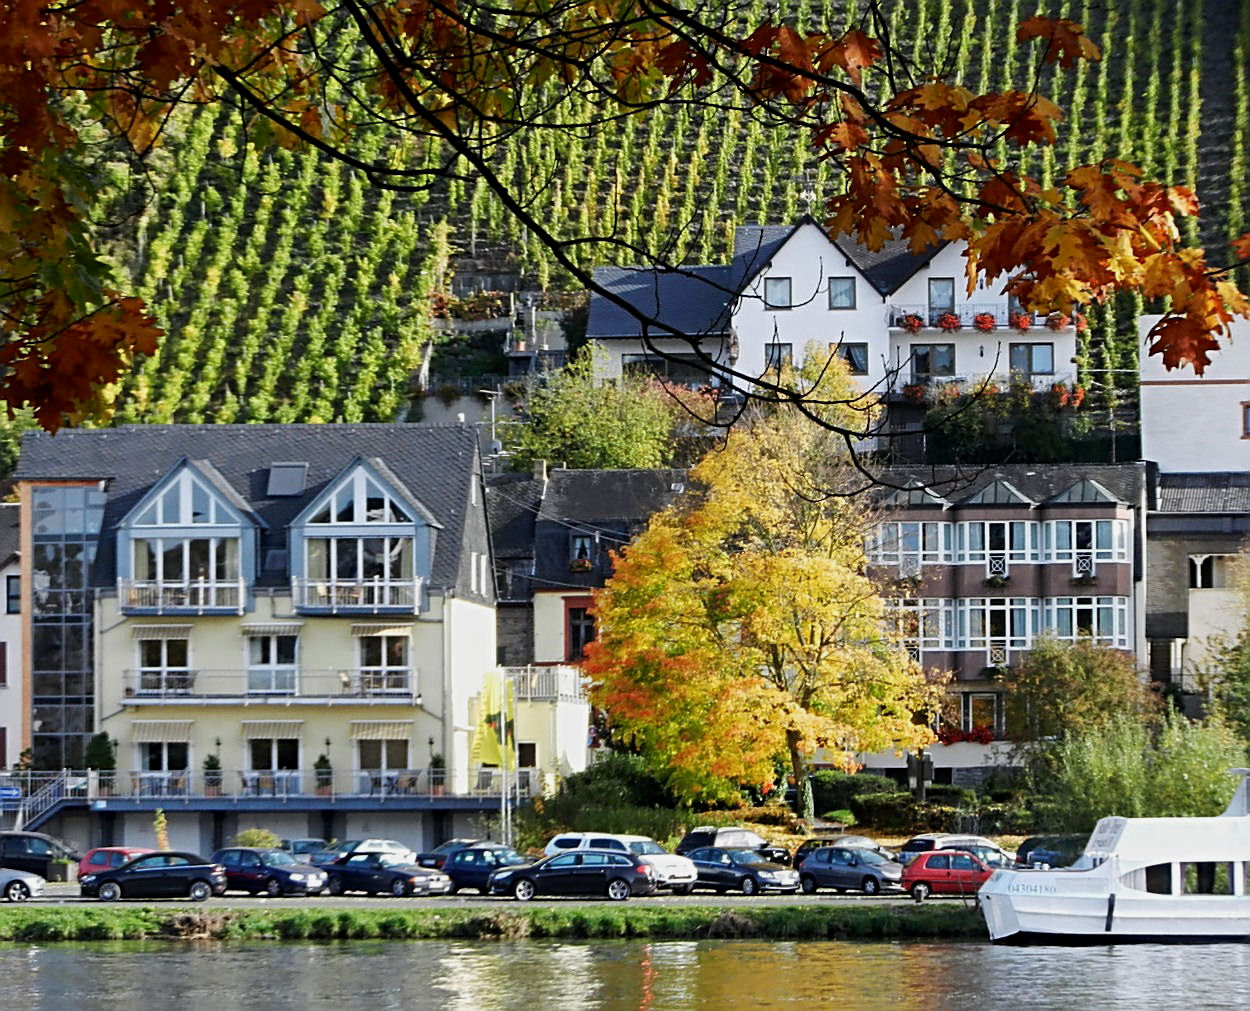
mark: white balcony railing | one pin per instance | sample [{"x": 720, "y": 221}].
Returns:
[
  {"x": 357, "y": 594},
  {"x": 150, "y": 686},
  {"x": 547, "y": 684},
  {"x": 966, "y": 311},
  {"x": 188, "y": 596}
]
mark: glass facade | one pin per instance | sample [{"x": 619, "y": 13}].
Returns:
[{"x": 66, "y": 521}]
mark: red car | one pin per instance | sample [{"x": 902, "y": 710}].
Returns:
[
  {"x": 102, "y": 858},
  {"x": 945, "y": 872}
]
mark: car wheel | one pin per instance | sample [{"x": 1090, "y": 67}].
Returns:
[
  {"x": 523, "y": 890},
  {"x": 455, "y": 888},
  {"x": 618, "y": 890},
  {"x": 273, "y": 888},
  {"x": 200, "y": 890},
  {"x": 920, "y": 891},
  {"x": 809, "y": 884},
  {"x": 335, "y": 887},
  {"x": 682, "y": 889},
  {"x": 749, "y": 887},
  {"x": 110, "y": 891},
  {"x": 399, "y": 888},
  {"x": 17, "y": 891},
  {"x": 871, "y": 886}
]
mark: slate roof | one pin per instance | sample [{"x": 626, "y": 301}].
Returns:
[
  {"x": 436, "y": 464},
  {"x": 694, "y": 301},
  {"x": 512, "y": 503},
  {"x": 1037, "y": 482},
  {"x": 1204, "y": 493},
  {"x": 10, "y": 531}
]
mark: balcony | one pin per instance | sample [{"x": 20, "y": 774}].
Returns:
[
  {"x": 967, "y": 313},
  {"x": 357, "y": 596},
  {"x": 197, "y": 596},
  {"x": 547, "y": 684},
  {"x": 182, "y": 686}
]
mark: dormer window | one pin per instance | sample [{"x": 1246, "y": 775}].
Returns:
[{"x": 581, "y": 552}]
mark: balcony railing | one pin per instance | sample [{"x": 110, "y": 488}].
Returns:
[
  {"x": 188, "y": 596},
  {"x": 966, "y": 311},
  {"x": 357, "y": 594},
  {"x": 548, "y": 684},
  {"x": 186, "y": 684}
]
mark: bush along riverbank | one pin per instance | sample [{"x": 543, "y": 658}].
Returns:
[{"x": 878, "y": 922}]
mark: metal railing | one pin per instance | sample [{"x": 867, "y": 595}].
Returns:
[
  {"x": 547, "y": 684},
  {"x": 966, "y": 311},
  {"x": 182, "y": 684},
  {"x": 357, "y": 594},
  {"x": 182, "y": 597}
]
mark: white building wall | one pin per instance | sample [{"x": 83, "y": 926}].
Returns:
[
  {"x": 12, "y": 690},
  {"x": 469, "y": 628},
  {"x": 1215, "y": 617},
  {"x": 1196, "y": 424}
]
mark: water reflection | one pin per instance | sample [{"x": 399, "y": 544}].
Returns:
[{"x": 612, "y": 976}]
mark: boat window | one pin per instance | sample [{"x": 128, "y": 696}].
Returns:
[
  {"x": 1207, "y": 878},
  {"x": 1158, "y": 879}
]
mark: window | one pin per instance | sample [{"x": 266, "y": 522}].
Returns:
[
  {"x": 360, "y": 499},
  {"x": 777, "y": 293},
  {"x": 981, "y": 711},
  {"x": 841, "y": 293},
  {"x": 384, "y": 664},
  {"x": 941, "y": 297},
  {"x": 13, "y": 595},
  {"x": 185, "y": 572},
  {"x": 1084, "y": 542},
  {"x": 271, "y": 753},
  {"x": 855, "y": 355},
  {"x": 4, "y": 675},
  {"x": 579, "y": 627},
  {"x": 527, "y": 754},
  {"x": 164, "y": 756},
  {"x": 996, "y": 625},
  {"x": 921, "y": 624},
  {"x": 932, "y": 360},
  {"x": 581, "y": 548},
  {"x": 1033, "y": 359},
  {"x": 1210, "y": 572},
  {"x": 777, "y": 355},
  {"x": 1245, "y": 419},
  {"x": 1103, "y": 619},
  {"x": 164, "y": 667},
  {"x": 271, "y": 664},
  {"x": 909, "y": 545},
  {"x": 385, "y": 755},
  {"x": 997, "y": 543}
]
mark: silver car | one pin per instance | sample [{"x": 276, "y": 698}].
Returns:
[{"x": 18, "y": 886}]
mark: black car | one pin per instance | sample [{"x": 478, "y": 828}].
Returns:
[
  {"x": 274, "y": 872},
  {"x": 372, "y": 872},
  {"x": 437, "y": 857},
  {"x": 579, "y": 872},
  {"x": 166, "y": 874},
  {"x": 732, "y": 837},
  {"x": 472, "y": 866},
  {"x": 34, "y": 852},
  {"x": 744, "y": 870},
  {"x": 1051, "y": 850}
]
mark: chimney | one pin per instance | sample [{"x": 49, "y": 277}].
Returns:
[{"x": 540, "y": 471}]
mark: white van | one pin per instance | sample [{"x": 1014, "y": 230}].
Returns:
[{"x": 671, "y": 871}]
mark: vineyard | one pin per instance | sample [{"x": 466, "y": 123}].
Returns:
[{"x": 293, "y": 291}]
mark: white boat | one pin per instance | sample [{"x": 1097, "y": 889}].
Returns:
[{"x": 1160, "y": 880}]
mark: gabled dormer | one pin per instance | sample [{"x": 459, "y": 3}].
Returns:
[
  {"x": 188, "y": 545},
  {"x": 363, "y": 545}
]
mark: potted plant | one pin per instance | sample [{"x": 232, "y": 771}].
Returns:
[
  {"x": 1022, "y": 321},
  {"x": 949, "y": 322},
  {"x": 212, "y": 776},
  {"x": 324, "y": 775},
  {"x": 985, "y": 321},
  {"x": 580, "y": 565},
  {"x": 1057, "y": 321},
  {"x": 912, "y": 323},
  {"x": 438, "y": 770},
  {"x": 99, "y": 755},
  {"x": 914, "y": 392}
]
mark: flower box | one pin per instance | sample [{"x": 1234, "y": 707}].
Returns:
[
  {"x": 949, "y": 322},
  {"x": 912, "y": 323},
  {"x": 986, "y": 322},
  {"x": 1057, "y": 321},
  {"x": 1022, "y": 321}
]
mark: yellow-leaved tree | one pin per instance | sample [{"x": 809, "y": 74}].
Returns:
[{"x": 740, "y": 630}]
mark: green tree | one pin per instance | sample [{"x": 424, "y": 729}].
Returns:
[
  {"x": 573, "y": 420},
  {"x": 740, "y": 630}
]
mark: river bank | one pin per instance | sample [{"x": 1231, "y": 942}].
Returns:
[{"x": 900, "y": 922}]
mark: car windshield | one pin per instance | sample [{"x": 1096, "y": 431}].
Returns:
[
  {"x": 869, "y": 857},
  {"x": 391, "y": 859},
  {"x": 645, "y": 846},
  {"x": 505, "y": 856},
  {"x": 748, "y": 857},
  {"x": 278, "y": 858}
]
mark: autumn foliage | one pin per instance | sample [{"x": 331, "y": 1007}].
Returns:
[{"x": 918, "y": 154}]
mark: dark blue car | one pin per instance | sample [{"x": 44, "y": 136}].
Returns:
[{"x": 472, "y": 866}]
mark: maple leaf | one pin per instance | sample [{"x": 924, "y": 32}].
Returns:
[{"x": 1067, "y": 41}]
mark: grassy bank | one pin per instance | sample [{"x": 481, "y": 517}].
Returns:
[{"x": 892, "y": 922}]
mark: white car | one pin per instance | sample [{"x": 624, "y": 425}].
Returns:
[
  {"x": 18, "y": 886},
  {"x": 671, "y": 871}
]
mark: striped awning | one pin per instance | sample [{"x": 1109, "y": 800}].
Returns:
[
  {"x": 160, "y": 731},
  {"x": 161, "y": 631},
  {"x": 272, "y": 628},
  {"x": 381, "y": 629},
  {"x": 252, "y": 729},
  {"x": 381, "y": 730}
]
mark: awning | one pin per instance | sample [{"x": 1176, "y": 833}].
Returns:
[
  {"x": 160, "y": 731},
  {"x": 272, "y": 628},
  {"x": 381, "y": 630},
  {"x": 161, "y": 631},
  {"x": 381, "y": 730},
  {"x": 252, "y": 729}
]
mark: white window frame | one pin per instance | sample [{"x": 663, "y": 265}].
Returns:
[
  {"x": 910, "y": 544},
  {"x": 162, "y": 677},
  {"x": 272, "y": 677},
  {"x": 772, "y": 288},
  {"x": 1108, "y": 625},
  {"x": 385, "y": 677}
]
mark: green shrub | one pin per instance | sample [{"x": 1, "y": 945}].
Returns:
[
  {"x": 955, "y": 796},
  {"x": 888, "y": 811},
  {"x": 832, "y": 790},
  {"x": 261, "y": 838}
]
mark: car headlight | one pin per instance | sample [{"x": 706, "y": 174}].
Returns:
[
  {"x": 86, "y": 880},
  {"x": 768, "y": 875},
  {"x": 297, "y": 877}
]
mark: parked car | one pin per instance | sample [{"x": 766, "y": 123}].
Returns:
[
  {"x": 945, "y": 872},
  {"x": 582, "y": 872},
  {"x": 18, "y": 886},
  {"x": 437, "y": 857},
  {"x": 842, "y": 868},
  {"x": 34, "y": 852},
  {"x": 274, "y": 872},
  {"x": 336, "y": 853},
  {"x": 984, "y": 848},
  {"x": 672, "y": 870},
  {"x": 472, "y": 866},
  {"x": 746, "y": 870},
  {"x": 1051, "y": 850},
  {"x": 855, "y": 842},
  {"x": 303, "y": 847},
  {"x": 384, "y": 871},
  {"x": 732, "y": 837},
  {"x": 158, "y": 875},
  {"x": 103, "y": 857}
]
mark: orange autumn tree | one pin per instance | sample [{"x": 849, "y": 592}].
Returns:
[
  {"x": 917, "y": 153},
  {"x": 740, "y": 630}
]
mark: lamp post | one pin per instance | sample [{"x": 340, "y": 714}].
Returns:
[{"x": 1112, "y": 396}]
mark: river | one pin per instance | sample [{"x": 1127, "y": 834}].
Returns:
[{"x": 552, "y": 976}]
